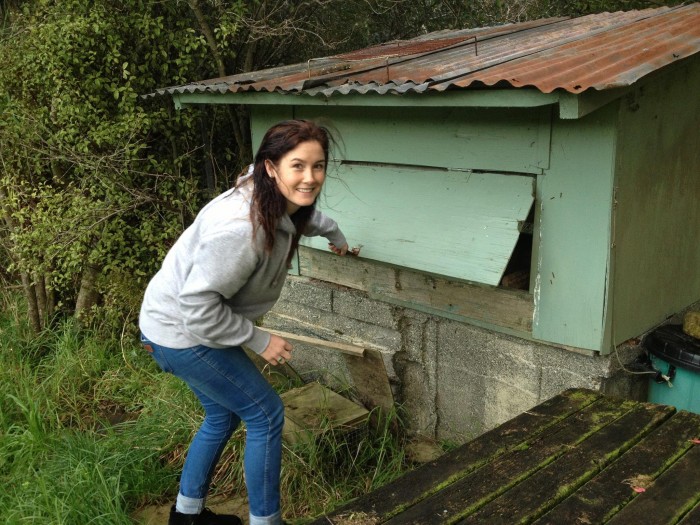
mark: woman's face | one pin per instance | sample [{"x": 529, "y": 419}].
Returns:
[{"x": 300, "y": 174}]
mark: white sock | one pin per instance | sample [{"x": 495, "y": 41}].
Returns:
[{"x": 185, "y": 505}]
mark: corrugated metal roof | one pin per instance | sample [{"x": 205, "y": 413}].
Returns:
[{"x": 600, "y": 51}]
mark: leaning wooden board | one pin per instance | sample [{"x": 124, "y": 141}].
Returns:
[
  {"x": 365, "y": 366},
  {"x": 343, "y": 347},
  {"x": 579, "y": 458}
]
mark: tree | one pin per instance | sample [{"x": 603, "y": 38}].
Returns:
[
  {"x": 96, "y": 182},
  {"x": 409, "y": 18},
  {"x": 93, "y": 183}
]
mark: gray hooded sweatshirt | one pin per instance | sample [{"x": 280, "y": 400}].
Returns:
[{"x": 217, "y": 279}]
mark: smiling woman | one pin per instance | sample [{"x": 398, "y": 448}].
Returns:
[
  {"x": 300, "y": 175},
  {"x": 224, "y": 272}
]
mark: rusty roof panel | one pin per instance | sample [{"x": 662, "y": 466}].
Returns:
[
  {"x": 609, "y": 59},
  {"x": 600, "y": 51},
  {"x": 439, "y": 40}
]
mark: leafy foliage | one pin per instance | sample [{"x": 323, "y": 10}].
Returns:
[
  {"x": 406, "y": 19},
  {"x": 93, "y": 176}
]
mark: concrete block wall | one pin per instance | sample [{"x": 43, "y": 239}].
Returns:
[{"x": 453, "y": 380}]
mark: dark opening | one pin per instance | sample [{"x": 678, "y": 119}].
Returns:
[{"x": 517, "y": 273}]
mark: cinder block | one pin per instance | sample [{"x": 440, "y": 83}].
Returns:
[
  {"x": 419, "y": 337},
  {"x": 301, "y": 290},
  {"x": 357, "y": 305},
  {"x": 417, "y": 398},
  {"x": 504, "y": 401},
  {"x": 555, "y": 380},
  {"x": 495, "y": 375},
  {"x": 454, "y": 380},
  {"x": 460, "y": 408}
]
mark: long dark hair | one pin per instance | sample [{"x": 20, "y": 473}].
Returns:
[{"x": 268, "y": 203}]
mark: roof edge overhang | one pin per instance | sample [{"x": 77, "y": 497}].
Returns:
[
  {"x": 456, "y": 98},
  {"x": 571, "y": 106}
]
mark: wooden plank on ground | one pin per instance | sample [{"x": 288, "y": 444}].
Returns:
[
  {"x": 431, "y": 477},
  {"x": 491, "y": 306},
  {"x": 312, "y": 409},
  {"x": 472, "y": 492},
  {"x": 540, "y": 492},
  {"x": 674, "y": 493},
  {"x": 637, "y": 467}
]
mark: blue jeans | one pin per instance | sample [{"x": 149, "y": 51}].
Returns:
[{"x": 231, "y": 389}]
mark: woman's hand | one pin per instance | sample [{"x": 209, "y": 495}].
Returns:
[
  {"x": 338, "y": 251},
  {"x": 278, "y": 351}
]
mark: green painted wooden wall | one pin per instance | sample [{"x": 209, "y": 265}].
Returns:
[
  {"x": 604, "y": 272},
  {"x": 574, "y": 198},
  {"x": 573, "y": 188},
  {"x": 657, "y": 221},
  {"x": 415, "y": 201},
  {"x": 496, "y": 139},
  {"x": 263, "y": 117}
]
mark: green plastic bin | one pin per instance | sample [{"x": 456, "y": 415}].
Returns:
[{"x": 677, "y": 355}]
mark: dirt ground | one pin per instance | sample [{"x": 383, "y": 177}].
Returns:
[
  {"x": 158, "y": 514},
  {"x": 418, "y": 451}
]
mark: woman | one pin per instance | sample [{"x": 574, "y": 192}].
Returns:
[{"x": 225, "y": 271}]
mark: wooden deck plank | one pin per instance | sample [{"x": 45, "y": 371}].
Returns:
[
  {"x": 693, "y": 517},
  {"x": 416, "y": 485},
  {"x": 472, "y": 492},
  {"x": 638, "y": 466},
  {"x": 545, "y": 488},
  {"x": 680, "y": 484}
]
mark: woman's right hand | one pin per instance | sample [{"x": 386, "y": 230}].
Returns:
[{"x": 278, "y": 351}]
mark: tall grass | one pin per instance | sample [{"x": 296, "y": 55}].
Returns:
[
  {"x": 74, "y": 447},
  {"x": 91, "y": 430}
]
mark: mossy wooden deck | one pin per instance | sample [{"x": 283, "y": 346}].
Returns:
[{"x": 579, "y": 458}]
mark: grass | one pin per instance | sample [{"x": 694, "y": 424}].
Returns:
[{"x": 91, "y": 430}]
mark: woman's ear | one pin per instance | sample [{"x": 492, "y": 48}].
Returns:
[{"x": 270, "y": 168}]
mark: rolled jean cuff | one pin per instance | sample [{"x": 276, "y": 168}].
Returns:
[
  {"x": 187, "y": 505},
  {"x": 272, "y": 519}
]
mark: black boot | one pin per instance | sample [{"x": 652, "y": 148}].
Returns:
[{"x": 206, "y": 517}]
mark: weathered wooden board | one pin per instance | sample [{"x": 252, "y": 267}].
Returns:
[
  {"x": 576, "y": 459},
  {"x": 547, "y": 487},
  {"x": 507, "y": 139},
  {"x": 313, "y": 409},
  {"x": 430, "y": 478},
  {"x": 365, "y": 365},
  {"x": 370, "y": 380},
  {"x": 637, "y": 467},
  {"x": 342, "y": 347},
  {"x": 462, "y": 225},
  {"x": 679, "y": 484},
  {"x": 657, "y": 217},
  {"x": 575, "y": 199},
  {"x": 692, "y": 518},
  {"x": 488, "y": 306},
  {"x": 467, "y": 495}
]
